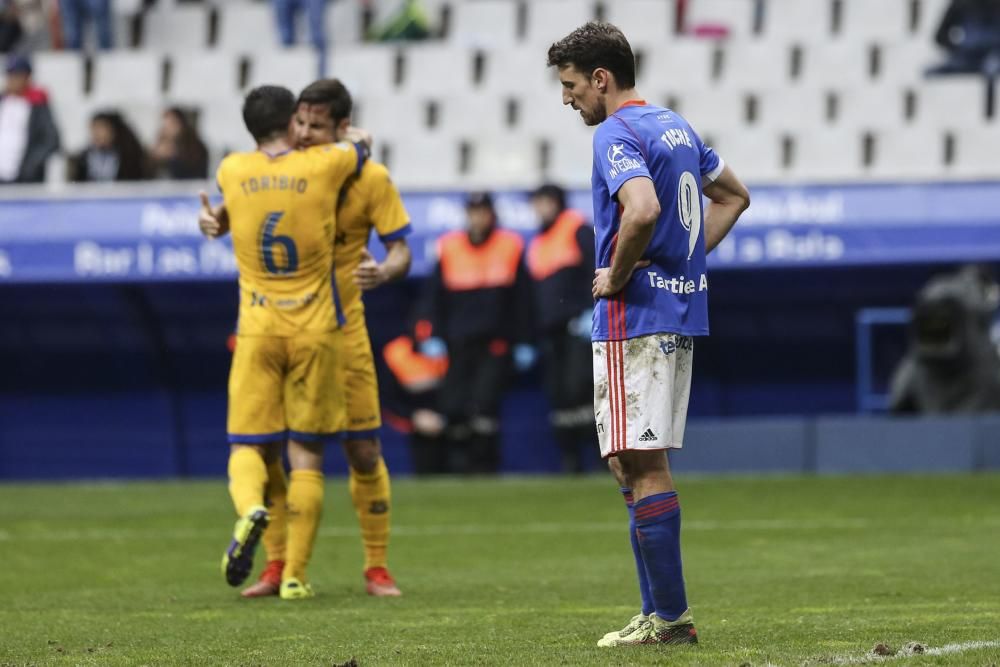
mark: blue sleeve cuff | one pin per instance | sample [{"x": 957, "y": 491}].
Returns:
[{"x": 398, "y": 234}]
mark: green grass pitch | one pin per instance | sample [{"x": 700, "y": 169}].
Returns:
[{"x": 522, "y": 571}]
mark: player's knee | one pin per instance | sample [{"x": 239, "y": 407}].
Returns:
[
  {"x": 305, "y": 455},
  {"x": 363, "y": 455}
]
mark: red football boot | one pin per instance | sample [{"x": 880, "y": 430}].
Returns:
[
  {"x": 269, "y": 582},
  {"x": 380, "y": 583}
]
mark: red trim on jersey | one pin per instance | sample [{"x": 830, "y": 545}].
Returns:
[
  {"x": 613, "y": 432},
  {"x": 632, "y": 103}
]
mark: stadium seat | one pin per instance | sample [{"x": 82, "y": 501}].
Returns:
[
  {"x": 393, "y": 115},
  {"x": 955, "y": 101},
  {"x": 365, "y": 70},
  {"x": 642, "y": 20},
  {"x": 806, "y": 20},
  {"x": 343, "y": 24},
  {"x": 423, "y": 161},
  {"x": 513, "y": 160},
  {"x": 437, "y": 69},
  {"x": 484, "y": 23},
  {"x": 199, "y": 76},
  {"x": 755, "y": 155},
  {"x": 550, "y": 20},
  {"x": 851, "y": 60},
  {"x": 826, "y": 154},
  {"x": 906, "y": 62},
  {"x": 61, "y": 73},
  {"x": 247, "y": 27},
  {"x": 756, "y": 63},
  {"x": 737, "y": 17},
  {"x": 177, "y": 29},
  {"x": 144, "y": 117},
  {"x": 884, "y": 20},
  {"x": 930, "y": 13},
  {"x": 478, "y": 115},
  {"x": 571, "y": 155},
  {"x": 521, "y": 71},
  {"x": 976, "y": 153},
  {"x": 791, "y": 108},
  {"x": 870, "y": 107},
  {"x": 292, "y": 68},
  {"x": 907, "y": 153},
  {"x": 670, "y": 67},
  {"x": 222, "y": 126},
  {"x": 123, "y": 76},
  {"x": 711, "y": 110},
  {"x": 72, "y": 117}
]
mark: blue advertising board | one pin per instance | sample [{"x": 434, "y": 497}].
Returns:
[{"x": 151, "y": 236}]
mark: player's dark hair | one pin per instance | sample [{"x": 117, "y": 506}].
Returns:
[
  {"x": 593, "y": 45},
  {"x": 267, "y": 111},
  {"x": 329, "y": 92}
]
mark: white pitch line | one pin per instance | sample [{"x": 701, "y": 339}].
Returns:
[{"x": 902, "y": 654}]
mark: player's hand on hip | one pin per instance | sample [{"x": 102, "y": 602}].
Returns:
[
  {"x": 606, "y": 285},
  {"x": 369, "y": 274}
]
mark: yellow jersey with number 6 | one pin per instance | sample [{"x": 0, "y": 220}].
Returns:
[{"x": 282, "y": 217}]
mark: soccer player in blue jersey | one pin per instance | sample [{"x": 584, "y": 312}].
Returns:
[{"x": 650, "y": 169}]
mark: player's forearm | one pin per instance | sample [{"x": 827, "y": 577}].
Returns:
[
  {"x": 719, "y": 219},
  {"x": 634, "y": 234},
  {"x": 396, "y": 264}
]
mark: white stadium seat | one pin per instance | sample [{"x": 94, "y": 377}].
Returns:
[
  {"x": 423, "y": 162},
  {"x": 930, "y": 14},
  {"x": 122, "y": 76},
  {"x": 365, "y": 70},
  {"x": 871, "y": 107},
  {"x": 950, "y": 102},
  {"x": 711, "y": 110},
  {"x": 222, "y": 125},
  {"x": 976, "y": 152},
  {"x": 808, "y": 21},
  {"x": 484, "y": 23},
  {"x": 551, "y": 20},
  {"x": 571, "y": 154},
  {"x": 513, "y": 159},
  {"x": 61, "y": 73},
  {"x": 177, "y": 29},
  {"x": 738, "y": 17},
  {"x": 248, "y": 27},
  {"x": 642, "y": 20},
  {"x": 884, "y": 20},
  {"x": 756, "y": 63},
  {"x": 343, "y": 24},
  {"x": 391, "y": 115},
  {"x": 292, "y": 68},
  {"x": 791, "y": 109},
  {"x": 199, "y": 76},
  {"x": 907, "y": 153},
  {"x": 825, "y": 154},
  {"x": 437, "y": 69},
  {"x": 672, "y": 66},
  {"x": 755, "y": 155},
  {"x": 477, "y": 115},
  {"x": 840, "y": 63},
  {"x": 521, "y": 71},
  {"x": 906, "y": 62}
]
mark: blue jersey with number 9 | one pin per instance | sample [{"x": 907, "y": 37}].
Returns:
[
  {"x": 671, "y": 294},
  {"x": 282, "y": 211}
]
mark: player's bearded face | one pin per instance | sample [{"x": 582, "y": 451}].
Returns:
[
  {"x": 312, "y": 125},
  {"x": 579, "y": 92}
]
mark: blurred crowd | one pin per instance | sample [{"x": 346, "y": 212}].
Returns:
[{"x": 29, "y": 136}]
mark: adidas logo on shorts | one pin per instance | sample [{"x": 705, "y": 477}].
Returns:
[{"x": 648, "y": 436}]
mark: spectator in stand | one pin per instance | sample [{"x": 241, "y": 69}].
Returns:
[
  {"x": 560, "y": 261},
  {"x": 476, "y": 308},
  {"x": 285, "y": 12},
  {"x": 28, "y": 134},
  {"x": 114, "y": 153},
  {"x": 970, "y": 33},
  {"x": 75, "y": 14},
  {"x": 179, "y": 152},
  {"x": 10, "y": 26}
]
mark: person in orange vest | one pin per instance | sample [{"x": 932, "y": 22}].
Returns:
[
  {"x": 560, "y": 260},
  {"x": 410, "y": 400},
  {"x": 477, "y": 308}
]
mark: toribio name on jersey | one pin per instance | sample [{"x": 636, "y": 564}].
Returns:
[{"x": 254, "y": 184}]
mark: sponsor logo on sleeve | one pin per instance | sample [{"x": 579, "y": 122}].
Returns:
[{"x": 620, "y": 162}]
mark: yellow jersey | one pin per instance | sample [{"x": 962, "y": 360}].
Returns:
[
  {"x": 283, "y": 221},
  {"x": 369, "y": 201}
]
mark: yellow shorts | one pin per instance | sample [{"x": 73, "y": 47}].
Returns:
[
  {"x": 364, "y": 415},
  {"x": 282, "y": 388}
]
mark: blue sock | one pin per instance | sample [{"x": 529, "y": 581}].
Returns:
[
  {"x": 640, "y": 567},
  {"x": 658, "y": 526}
]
